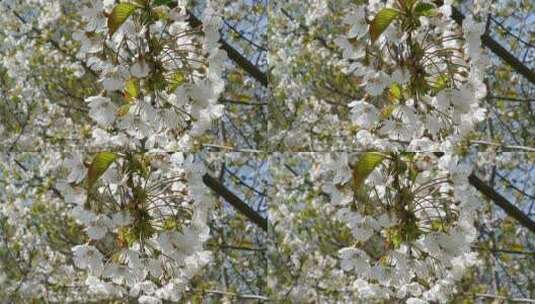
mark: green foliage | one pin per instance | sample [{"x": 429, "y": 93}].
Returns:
[
  {"x": 407, "y": 231},
  {"x": 100, "y": 164},
  {"x": 163, "y": 2},
  {"x": 364, "y": 166},
  {"x": 381, "y": 21},
  {"x": 138, "y": 164},
  {"x": 407, "y": 3},
  {"x": 131, "y": 90},
  {"x": 177, "y": 80},
  {"x": 123, "y": 110},
  {"x": 423, "y": 9},
  {"x": 141, "y": 229},
  {"x": 396, "y": 92},
  {"x": 441, "y": 83},
  {"x": 169, "y": 224},
  {"x": 119, "y": 15}
]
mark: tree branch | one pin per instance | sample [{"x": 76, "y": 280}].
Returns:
[
  {"x": 39, "y": 178},
  {"x": 502, "y": 202},
  {"x": 495, "y": 47},
  {"x": 235, "y": 201},
  {"x": 490, "y": 296},
  {"x": 236, "y": 56},
  {"x": 508, "y": 251},
  {"x": 502, "y": 146},
  {"x": 55, "y": 44},
  {"x": 237, "y": 295}
]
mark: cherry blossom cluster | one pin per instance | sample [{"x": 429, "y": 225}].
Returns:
[
  {"x": 414, "y": 77},
  {"x": 161, "y": 76},
  {"x": 404, "y": 232},
  {"x": 390, "y": 76},
  {"x": 421, "y": 74},
  {"x": 145, "y": 222}
]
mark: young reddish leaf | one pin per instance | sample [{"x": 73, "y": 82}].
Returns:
[{"x": 381, "y": 21}]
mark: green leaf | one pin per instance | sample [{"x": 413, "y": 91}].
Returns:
[
  {"x": 131, "y": 89},
  {"x": 408, "y": 3},
  {"x": 101, "y": 162},
  {"x": 364, "y": 166},
  {"x": 169, "y": 224},
  {"x": 517, "y": 247},
  {"x": 381, "y": 21},
  {"x": 423, "y": 9},
  {"x": 241, "y": 97},
  {"x": 123, "y": 110},
  {"x": 441, "y": 83},
  {"x": 438, "y": 225},
  {"x": 177, "y": 80},
  {"x": 387, "y": 111},
  {"x": 395, "y": 92},
  {"x": 118, "y": 16},
  {"x": 163, "y": 2}
]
